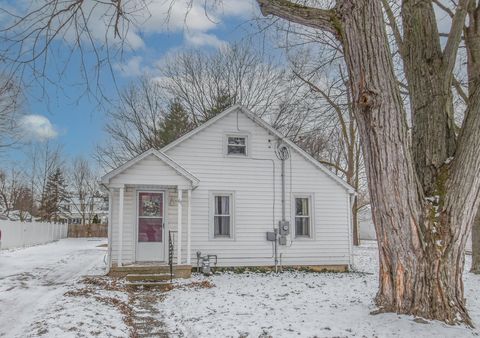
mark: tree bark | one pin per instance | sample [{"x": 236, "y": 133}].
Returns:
[
  {"x": 421, "y": 224},
  {"x": 429, "y": 83},
  {"x": 472, "y": 42},
  {"x": 420, "y": 242},
  {"x": 476, "y": 245}
]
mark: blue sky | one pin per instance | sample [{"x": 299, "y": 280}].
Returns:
[{"x": 60, "y": 113}]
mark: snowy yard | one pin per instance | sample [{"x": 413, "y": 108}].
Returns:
[
  {"x": 296, "y": 304},
  {"x": 32, "y": 286},
  {"x": 43, "y": 294}
]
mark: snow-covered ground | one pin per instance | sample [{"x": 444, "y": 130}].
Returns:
[
  {"x": 32, "y": 285},
  {"x": 43, "y": 293},
  {"x": 297, "y": 304}
]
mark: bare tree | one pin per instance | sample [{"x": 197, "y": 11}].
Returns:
[
  {"x": 331, "y": 136},
  {"x": 10, "y": 113},
  {"x": 83, "y": 189},
  {"x": 246, "y": 75},
  {"x": 424, "y": 194},
  {"x": 86, "y": 34},
  {"x": 134, "y": 123},
  {"x": 203, "y": 84},
  {"x": 15, "y": 196}
]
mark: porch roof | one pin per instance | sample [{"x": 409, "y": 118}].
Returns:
[{"x": 164, "y": 159}]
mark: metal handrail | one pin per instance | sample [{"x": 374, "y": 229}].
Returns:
[{"x": 170, "y": 252}]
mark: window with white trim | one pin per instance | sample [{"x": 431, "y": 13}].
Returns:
[
  {"x": 303, "y": 216},
  {"x": 236, "y": 145},
  {"x": 222, "y": 215}
]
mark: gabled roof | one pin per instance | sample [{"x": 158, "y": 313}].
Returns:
[
  {"x": 271, "y": 130},
  {"x": 162, "y": 157}
]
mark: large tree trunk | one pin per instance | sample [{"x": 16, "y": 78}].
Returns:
[
  {"x": 429, "y": 84},
  {"x": 421, "y": 259},
  {"x": 476, "y": 245},
  {"x": 422, "y": 222}
]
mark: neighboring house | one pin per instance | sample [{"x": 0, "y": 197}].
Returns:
[
  {"x": 94, "y": 207},
  {"x": 220, "y": 188},
  {"x": 365, "y": 223}
]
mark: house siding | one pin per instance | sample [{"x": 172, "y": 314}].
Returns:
[
  {"x": 149, "y": 171},
  {"x": 255, "y": 187},
  {"x": 256, "y": 183}
]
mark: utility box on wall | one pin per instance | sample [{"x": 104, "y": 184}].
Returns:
[
  {"x": 284, "y": 227},
  {"x": 271, "y": 236}
]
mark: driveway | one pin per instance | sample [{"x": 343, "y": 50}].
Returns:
[{"x": 32, "y": 279}]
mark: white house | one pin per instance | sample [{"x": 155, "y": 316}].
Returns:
[{"x": 219, "y": 190}]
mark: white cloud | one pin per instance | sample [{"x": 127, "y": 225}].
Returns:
[
  {"x": 199, "y": 39},
  {"x": 132, "y": 67},
  {"x": 177, "y": 16},
  {"x": 194, "y": 18},
  {"x": 38, "y": 127}
]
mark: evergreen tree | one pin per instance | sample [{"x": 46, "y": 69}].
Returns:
[
  {"x": 175, "y": 124},
  {"x": 222, "y": 101},
  {"x": 55, "y": 194}
]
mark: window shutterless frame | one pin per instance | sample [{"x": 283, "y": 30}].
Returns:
[
  {"x": 236, "y": 145},
  {"x": 221, "y": 215},
  {"x": 303, "y": 220}
]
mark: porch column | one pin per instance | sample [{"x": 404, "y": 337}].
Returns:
[
  {"x": 120, "y": 225},
  {"x": 179, "y": 221},
  {"x": 189, "y": 225},
  {"x": 109, "y": 233}
]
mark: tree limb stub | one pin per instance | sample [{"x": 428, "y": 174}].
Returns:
[{"x": 323, "y": 19}]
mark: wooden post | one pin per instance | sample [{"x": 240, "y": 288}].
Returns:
[
  {"x": 179, "y": 225},
  {"x": 120, "y": 225},
  {"x": 189, "y": 225}
]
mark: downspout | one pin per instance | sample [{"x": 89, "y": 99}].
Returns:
[
  {"x": 283, "y": 230},
  {"x": 283, "y": 189}
]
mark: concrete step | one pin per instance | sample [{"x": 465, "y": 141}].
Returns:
[
  {"x": 148, "y": 277},
  {"x": 162, "y": 285},
  {"x": 179, "y": 271}
]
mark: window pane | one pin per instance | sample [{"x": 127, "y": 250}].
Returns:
[
  {"x": 150, "y": 229},
  {"x": 301, "y": 207},
  {"x": 221, "y": 226},
  {"x": 236, "y": 140},
  {"x": 150, "y": 204},
  {"x": 302, "y": 226},
  {"x": 241, "y": 150},
  {"x": 222, "y": 205}
]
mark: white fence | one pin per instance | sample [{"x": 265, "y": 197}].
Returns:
[{"x": 19, "y": 234}]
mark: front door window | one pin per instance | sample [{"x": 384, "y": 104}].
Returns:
[{"x": 150, "y": 217}]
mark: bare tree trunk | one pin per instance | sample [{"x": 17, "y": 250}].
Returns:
[
  {"x": 421, "y": 263},
  {"x": 421, "y": 240},
  {"x": 429, "y": 80},
  {"x": 476, "y": 245}
]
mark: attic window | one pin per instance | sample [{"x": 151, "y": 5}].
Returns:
[{"x": 237, "y": 145}]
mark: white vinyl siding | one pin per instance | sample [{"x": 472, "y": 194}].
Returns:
[
  {"x": 257, "y": 183},
  {"x": 150, "y": 171}
]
